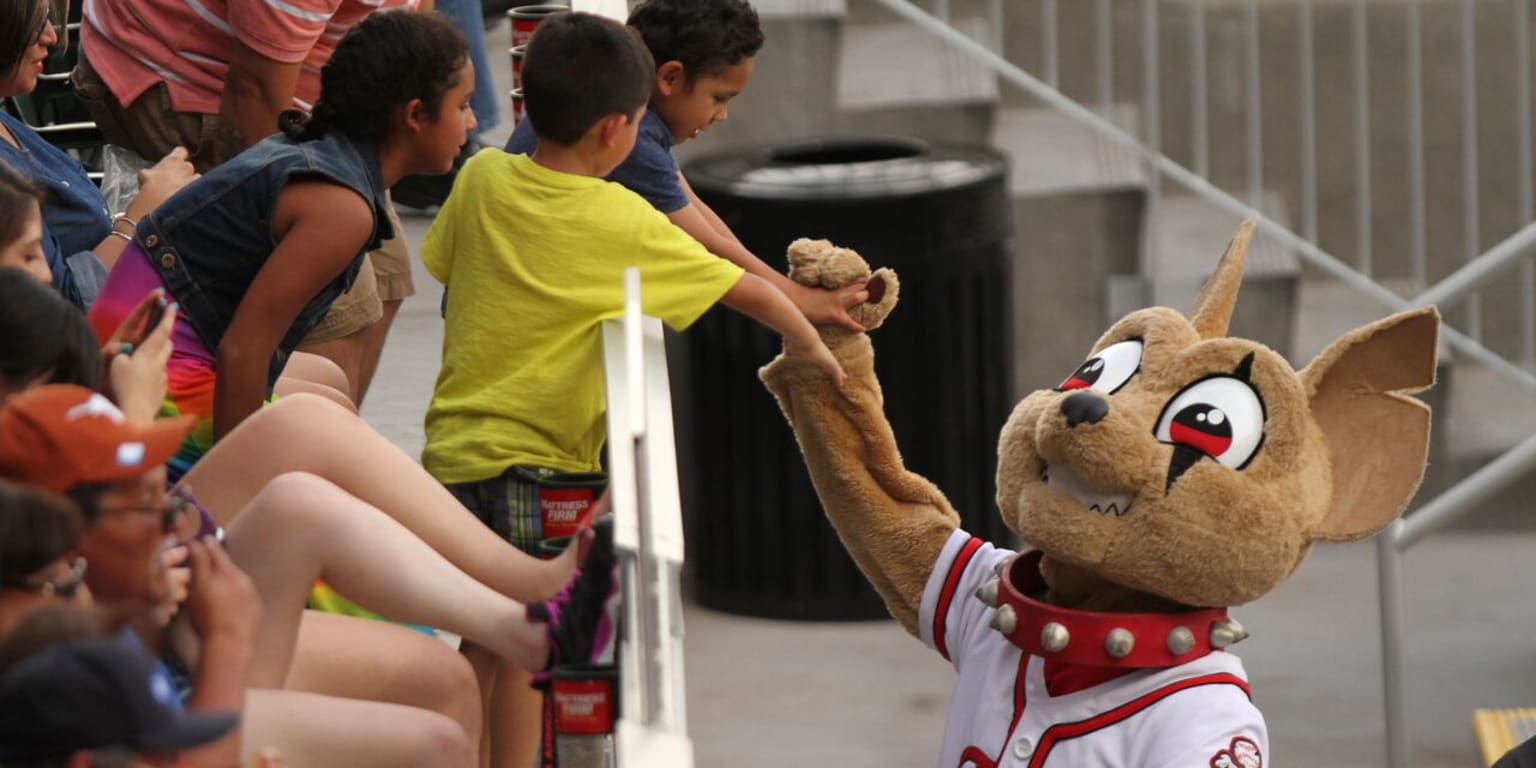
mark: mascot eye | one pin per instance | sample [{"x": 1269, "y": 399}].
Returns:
[
  {"x": 1107, "y": 371},
  {"x": 1221, "y": 417}
]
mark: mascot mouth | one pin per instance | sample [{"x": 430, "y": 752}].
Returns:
[{"x": 1063, "y": 479}]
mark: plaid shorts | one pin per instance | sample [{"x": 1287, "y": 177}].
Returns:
[{"x": 508, "y": 503}]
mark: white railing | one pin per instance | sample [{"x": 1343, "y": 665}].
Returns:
[
  {"x": 1463, "y": 284},
  {"x": 652, "y": 731}
]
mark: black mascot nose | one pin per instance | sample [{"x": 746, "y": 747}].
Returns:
[{"x": 1083, "y": 407}]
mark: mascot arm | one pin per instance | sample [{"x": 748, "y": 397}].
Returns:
[{"x": 893, "y": 522}]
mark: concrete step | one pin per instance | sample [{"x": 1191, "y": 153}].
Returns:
[
  {"x": 1052, "y": 154},
  {"x": 899, "y": 64}
]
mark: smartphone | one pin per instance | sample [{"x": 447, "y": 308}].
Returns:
[{"x": 152, "y": 320}]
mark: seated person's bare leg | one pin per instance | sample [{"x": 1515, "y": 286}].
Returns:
[
  {"x": 315, "y": 369},
  {"x": 301, "y": 528},
  {"x": 287, "y": 387},
  {"x": 514, "y": 711},
  {"x": 311, "y": 729},
  {"x": 309, "y": 434},
  {"x": 360, "y": 659}
]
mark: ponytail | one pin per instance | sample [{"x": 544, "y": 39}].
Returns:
[{"x": 383, "y": 62}]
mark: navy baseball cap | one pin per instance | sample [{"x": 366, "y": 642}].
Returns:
[{"x": 96, "y": 693}]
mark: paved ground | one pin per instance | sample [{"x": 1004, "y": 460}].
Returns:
[{"x": 769, "y": 693}]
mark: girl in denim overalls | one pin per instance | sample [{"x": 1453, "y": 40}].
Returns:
[{"x": 256, "y": 251}]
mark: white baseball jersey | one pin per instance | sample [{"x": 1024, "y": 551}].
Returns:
[{"x": 1194, "y": 715}]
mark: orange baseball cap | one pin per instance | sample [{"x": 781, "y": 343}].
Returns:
[{"x": 58, "y": 436}]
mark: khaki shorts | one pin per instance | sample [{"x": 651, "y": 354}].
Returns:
[{"x": 385, "y": 276}]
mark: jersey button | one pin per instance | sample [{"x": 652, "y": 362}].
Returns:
[{"x": 1023, "y": 748}]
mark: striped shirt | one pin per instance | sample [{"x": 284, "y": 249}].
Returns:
[{"x": 135, "y": 44}]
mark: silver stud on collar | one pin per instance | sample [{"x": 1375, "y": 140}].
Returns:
[
  {"x": 1054, "y": 637},
  {"x": 1180, "y": 641},
  {"x": 987, "y": 593},
  {"x": 1119, "y": 642},
  {"x": 1227, "y": 632},
  {"x": 1005, "y": 621}
]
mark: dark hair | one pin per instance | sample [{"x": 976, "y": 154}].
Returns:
[
  {"x": 17, "y": 196},
  {"x": 41, "y": 333},
  {"x": 706, "y": 36},
  {"x": 19, "y": 22},
  {"x": 36, "y": 528},
  {"x": 48, "y": 625},
  {"x": 87, "y": 499},
  {"x": 383, "y": 62},
  {"x": 580, "y": 68}
]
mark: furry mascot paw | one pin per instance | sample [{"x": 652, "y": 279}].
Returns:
[{"x": 820, "y": 264}]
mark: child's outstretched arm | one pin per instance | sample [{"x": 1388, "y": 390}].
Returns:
[
  {"x": 820, "y": 306},
  {"x": 754, "y": 297}
]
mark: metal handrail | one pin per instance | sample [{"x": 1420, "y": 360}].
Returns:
[
  {"x": 1467, "y": 494},
  {"x": 1202, "y": 187}
]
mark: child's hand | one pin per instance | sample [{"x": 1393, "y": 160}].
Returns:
[
  {"x": 830, "y": 306},
  {"x": 818, "y": 353}
]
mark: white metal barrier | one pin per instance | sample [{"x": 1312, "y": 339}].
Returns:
[{"x": 652, "y": 731}]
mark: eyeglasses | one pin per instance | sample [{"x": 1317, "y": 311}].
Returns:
[{"x": 176, "y": 504}]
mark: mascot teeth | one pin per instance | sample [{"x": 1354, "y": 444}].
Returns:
[{"x": 1063, "y": 479}]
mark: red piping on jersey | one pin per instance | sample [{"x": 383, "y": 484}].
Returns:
[
  {"x": 1068, "y": 731},
  {"x": 947, "y": 595},
  {"x": 974, "y": 754}
]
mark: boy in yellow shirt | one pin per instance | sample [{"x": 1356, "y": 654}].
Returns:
[{"x": 533, "y": 251}]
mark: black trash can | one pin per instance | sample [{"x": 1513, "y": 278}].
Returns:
[{"x": 758, "y": 543}]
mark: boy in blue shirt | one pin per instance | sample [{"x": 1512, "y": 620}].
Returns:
[{"x": 705, "y": 52}]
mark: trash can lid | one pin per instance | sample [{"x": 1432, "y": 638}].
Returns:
[{"x": 844, "y": 168}]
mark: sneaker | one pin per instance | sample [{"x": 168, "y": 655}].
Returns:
[
  {"x": 427, "y": 192},
  {"x": 582, "y": 620}
]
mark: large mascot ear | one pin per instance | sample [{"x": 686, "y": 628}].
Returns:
[
  {"x": 1213, "y": 307},
  {"x": 1377, "y": 434}
]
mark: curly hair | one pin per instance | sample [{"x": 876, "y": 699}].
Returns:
[
  {"x": 384, "y": 61},
  {"x": 705, "y": 36}
]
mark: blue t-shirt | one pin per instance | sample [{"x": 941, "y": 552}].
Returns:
[
  {"x": 75, "y": 217},
  {"x": 650, "y": 171}
]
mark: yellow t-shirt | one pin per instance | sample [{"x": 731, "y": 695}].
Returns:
[{"x": 534, "y": 261}]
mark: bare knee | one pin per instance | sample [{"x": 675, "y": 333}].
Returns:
[
  {"x": 287, "y": 388},
  {"x": 449, "y": 686},
  {"x": 315, "y": 368},
  {"x": 293, "y": 499},
  {"x": 308, "y": 408},
  {"x": 438, "y": 740}
]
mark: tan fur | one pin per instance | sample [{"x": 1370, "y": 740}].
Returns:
[{"x": 1341, "y": 453}]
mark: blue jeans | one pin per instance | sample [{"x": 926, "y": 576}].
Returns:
[{"x": 467, "y": 17}]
